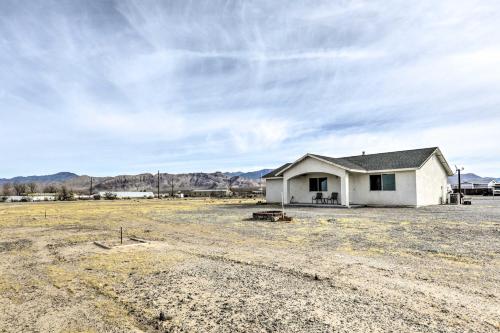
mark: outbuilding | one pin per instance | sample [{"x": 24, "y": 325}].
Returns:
[{"x": 417, "y": 177}]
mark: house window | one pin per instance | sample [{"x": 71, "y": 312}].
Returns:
[
  {"x": 313, "y": 184},
  {"x": 318, "y": 184},
  {"x": 389, "y": 182},
  {"x": 375, "y": 182},
  {"x": 384, "y": 182}
]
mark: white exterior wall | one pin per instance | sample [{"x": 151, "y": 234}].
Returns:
[
  {"x": 298, "y": 187},
  {"x": 405, "y": 194},
  {"x": 274, "y": 187},
  {"x": 432, "y": 182}
]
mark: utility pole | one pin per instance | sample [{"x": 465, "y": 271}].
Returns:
[
  {"x": 459, "y": 185},
  {"x": 90, "y": 185},
  {"x": 260, "y": 183},
  {"x": 172, "y": 184},
  {"x": 158, "y": 184}
]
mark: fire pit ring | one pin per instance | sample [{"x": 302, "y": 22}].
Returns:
[{"x": 273, "y": 215}]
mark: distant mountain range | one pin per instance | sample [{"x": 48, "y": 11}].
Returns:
[
  {"x": 471, "y": 177},
  {"x": 147, "y": 181},
  {"x": 249, "y": 175},
  {"x": 55, "y": 178}
]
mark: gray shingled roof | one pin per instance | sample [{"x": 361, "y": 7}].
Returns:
[
  {"x": 405, "y": 159},
  {"x": 275, "y": 171},
  {"x": 383, "y": 161}
]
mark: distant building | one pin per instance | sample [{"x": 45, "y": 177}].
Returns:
[
  {"x": 131, "y": 195},
  {"x": 477, "y": 188},
  {"x": 210, "y": 193}
]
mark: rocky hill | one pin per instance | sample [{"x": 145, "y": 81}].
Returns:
[
  {"x": 471, "y": 177},
  {"x": 149, "y": 182},
  {"x": 141, "y": 182},
  {"x": 249, "y": 175},
  {"x": 47, "y": 179}
]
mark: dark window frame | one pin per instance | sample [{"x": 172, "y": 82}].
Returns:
[
  {"x": 313, "y": 184},
  {"x": 378, "y": 185},
  {"x": 316, "y": 184}
]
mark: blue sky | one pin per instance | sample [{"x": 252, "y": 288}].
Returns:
[{"x": 112, "y": 87}]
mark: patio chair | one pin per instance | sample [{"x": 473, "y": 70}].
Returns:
[
  {"x": 318, "y": 197},
  {"x": 334, "y": 197}
]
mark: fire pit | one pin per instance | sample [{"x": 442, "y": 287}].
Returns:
[{"x": 271, "y": 215}]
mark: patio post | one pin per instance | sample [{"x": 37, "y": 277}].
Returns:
[
  {"x": 344, "y": 184},
  {"x": 285, "y": 190}
]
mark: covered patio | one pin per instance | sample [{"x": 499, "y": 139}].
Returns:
[{"x": 320, "y": 185}]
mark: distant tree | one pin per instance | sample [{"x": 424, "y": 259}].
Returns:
[
  {"x": 7, "y": 189},
  {"x": 110, "y": 196},
  {"x": 64, "y": 194},
  {"x": 32, "y": 187},
  {"x": 19, "y": 188},
  {"x": 50, "y": 189}
]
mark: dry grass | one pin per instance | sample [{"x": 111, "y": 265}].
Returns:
[{"x": 198, "y": 249}]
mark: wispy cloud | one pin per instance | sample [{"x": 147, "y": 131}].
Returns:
[{"x": 105, "y": 87}]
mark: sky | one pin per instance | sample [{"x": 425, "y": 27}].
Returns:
[{"x": 123, "y": 87}]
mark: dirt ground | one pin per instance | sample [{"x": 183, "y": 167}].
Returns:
[{"x": 207, "y": 268}]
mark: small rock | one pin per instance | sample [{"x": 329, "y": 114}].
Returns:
[{"x": 164, "y": 316}]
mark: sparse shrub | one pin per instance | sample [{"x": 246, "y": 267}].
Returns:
[
  {"x": 3, "y": 199},
  {"x": 110, "y": 196},
  {"x": 25, "y": 199},
  {"x": 97, "y": 196}
]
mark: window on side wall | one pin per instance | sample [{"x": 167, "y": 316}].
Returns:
[
  {"x": 384, "y": 182},
  {"x": 389, "y": 182},
  {"x": 375, "y": 183}
]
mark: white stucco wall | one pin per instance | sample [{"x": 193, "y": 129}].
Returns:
[
  {"x": 405, "y": 194},
  {"x": 274, "y": 187},
  {"x": 298, "y": 187},
  {"x": 432, "y": 182}
]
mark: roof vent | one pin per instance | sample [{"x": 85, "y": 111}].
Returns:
[{"x": 363, "y": 153}]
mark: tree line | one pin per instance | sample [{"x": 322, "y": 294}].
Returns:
[{"x": 27, "y": 188}]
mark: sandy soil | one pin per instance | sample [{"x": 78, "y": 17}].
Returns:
[{"x": 207, "y": 268}]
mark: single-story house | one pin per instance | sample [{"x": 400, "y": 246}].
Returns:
[{"x": 417, "y": 177}]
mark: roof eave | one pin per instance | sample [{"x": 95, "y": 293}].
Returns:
[
  {"x": 441, "y": 159},
  {"x": 319, "y": 159}
]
